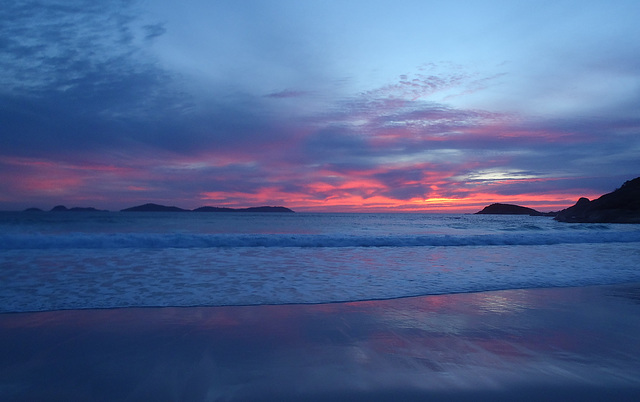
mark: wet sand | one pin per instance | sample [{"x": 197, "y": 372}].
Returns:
[{"x": 543, "y": 344}]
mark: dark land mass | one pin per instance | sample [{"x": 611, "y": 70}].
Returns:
[
  {"x": 154, "y": 208},
  {"x": 33, "y": 210},
  {"x": 619, "y": 206},
  {"x": 510, "y": 209},
  {"x": 250, "y": 209},
  {"x": 161, "y": 208},
  {"x": 62, "y": 208}
]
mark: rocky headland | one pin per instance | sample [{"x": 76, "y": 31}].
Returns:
[{"x": 619, "y": 206}]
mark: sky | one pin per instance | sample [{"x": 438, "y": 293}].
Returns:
[{"x": 337, "y": 106}]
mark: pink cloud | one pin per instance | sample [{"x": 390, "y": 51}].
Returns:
[{"x": 391, "y": 148}]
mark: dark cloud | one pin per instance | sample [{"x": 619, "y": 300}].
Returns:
[
  {"x": 404, "y": 184},
  {"x": 152, "y": 31},
  {"x": 76, "y": 76},
  {"x": 287, "y": 94},
  {"x": 79, "y": 79},
  {"x": 336, "y": 144},
  {"x": 53, "y": 45}
]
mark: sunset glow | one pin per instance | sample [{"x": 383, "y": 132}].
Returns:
[{"x": 439, "y": 108}]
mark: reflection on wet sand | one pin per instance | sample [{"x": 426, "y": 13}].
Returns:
[{"x": 579, "y": 342}]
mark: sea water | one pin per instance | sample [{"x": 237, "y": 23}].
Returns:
[{"x": 78, "y": 260}]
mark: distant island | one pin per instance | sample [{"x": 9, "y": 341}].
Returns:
[
  {"x": 250, "y": 209},
  {"x": 153, "y": 208},
  {"x": 162, "y": 208},
  {"x": 62, "y": 208},
  {"x": 619, "y": 206},
  {"x": 511, "y": 209}
]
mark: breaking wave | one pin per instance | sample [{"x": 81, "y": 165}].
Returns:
[{"x": 178, "y": 240}]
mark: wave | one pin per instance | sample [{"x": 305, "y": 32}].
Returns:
[{"x": 178, "y": 240}]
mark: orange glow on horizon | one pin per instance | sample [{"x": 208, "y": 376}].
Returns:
[
  {"x": 411, "y": 187},
  {"x": 355, "y": 203}
]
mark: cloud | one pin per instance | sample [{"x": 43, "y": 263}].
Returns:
[
  {"x": 57, "y": 45},
  {"x": 89, "y": 110},
  {"x": 153, "y": 31},
  {"x": 287, "y": 94},
  {"x": 76, "y": 72},
  {"x": 437, "y": 82}
]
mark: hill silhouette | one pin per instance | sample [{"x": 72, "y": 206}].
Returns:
[
  {"x": 150, "y": 207},
  {"x": 508, "y": 209},
  {"x": 619, "y": 206},
  {"x": 250, "y": 209},
  {"x": 62, "y": 208}
]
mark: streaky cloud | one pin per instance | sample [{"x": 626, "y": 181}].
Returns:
[
  {"x": 287, "y": 94},
  {"x": 99, "y": 100}
]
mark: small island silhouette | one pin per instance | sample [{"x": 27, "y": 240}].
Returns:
[
  {"x": 510, "y": 209},
  {"x": 150, "y": 207},
  {"x": 62, "y": 208}
]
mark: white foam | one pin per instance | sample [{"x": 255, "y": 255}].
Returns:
[
  {"x": 89, "y": 278},
  {"x": 59, "y": 261},
  {"x": 179, "y": 240}
]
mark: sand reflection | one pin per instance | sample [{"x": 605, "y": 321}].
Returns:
[{"x": 463, "y": 347}]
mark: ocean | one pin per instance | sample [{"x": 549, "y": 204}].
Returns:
[{"x": 87, "y": 260}]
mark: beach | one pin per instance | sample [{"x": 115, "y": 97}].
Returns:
[{"x": 578, "y": 343}]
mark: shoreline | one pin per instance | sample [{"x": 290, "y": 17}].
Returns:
[
  {"x": 500, "y": 345},
  {"x": 374, "y": 300}
]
